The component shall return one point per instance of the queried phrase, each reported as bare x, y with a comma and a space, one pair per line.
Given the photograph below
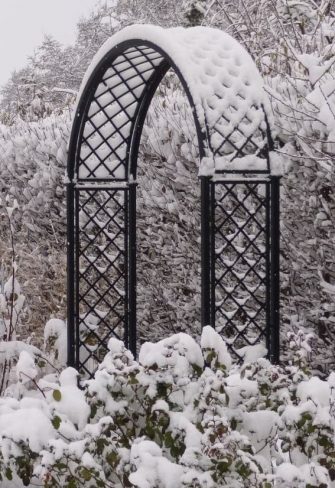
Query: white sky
23, 24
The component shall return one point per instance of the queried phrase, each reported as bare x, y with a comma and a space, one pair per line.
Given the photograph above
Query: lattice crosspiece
231, 115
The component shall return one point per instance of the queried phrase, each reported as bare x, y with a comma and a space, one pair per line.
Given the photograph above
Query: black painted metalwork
245, 267
239, 213
273, 324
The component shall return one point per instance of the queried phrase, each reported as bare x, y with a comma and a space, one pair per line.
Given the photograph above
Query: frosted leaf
25, 368
72, 402
11, 287
29, 425
251, 354
179, 350
212, 341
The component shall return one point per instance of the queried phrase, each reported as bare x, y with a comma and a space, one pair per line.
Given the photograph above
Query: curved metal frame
80, 189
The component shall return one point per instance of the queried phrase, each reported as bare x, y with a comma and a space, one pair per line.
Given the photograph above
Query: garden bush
183, 415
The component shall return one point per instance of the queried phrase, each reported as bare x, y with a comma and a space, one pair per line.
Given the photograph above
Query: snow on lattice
223, 81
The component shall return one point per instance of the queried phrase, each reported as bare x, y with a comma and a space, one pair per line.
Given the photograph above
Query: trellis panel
242, 261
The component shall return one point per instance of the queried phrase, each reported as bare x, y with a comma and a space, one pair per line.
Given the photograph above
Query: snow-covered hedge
182, 416
32, 166
32, 163
293, 44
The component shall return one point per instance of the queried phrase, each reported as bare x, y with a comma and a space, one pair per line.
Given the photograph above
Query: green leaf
223, 466
177, 450
132, 379
211, 354
164, 421
324, 441
264, 389
150, 430
9, 474
94, 410
197, 369
162, 389
304, 418
72, 483
57, 395
56, 421
86, 474
101, 444
243, 470
168, 439
113, 459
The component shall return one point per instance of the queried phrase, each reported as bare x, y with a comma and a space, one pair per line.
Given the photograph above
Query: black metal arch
157, 73
101, 200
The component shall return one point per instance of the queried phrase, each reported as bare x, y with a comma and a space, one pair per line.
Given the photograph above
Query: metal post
132, 333
205, 252
275, 270
126, 266
70, 275
268, 277
212, 254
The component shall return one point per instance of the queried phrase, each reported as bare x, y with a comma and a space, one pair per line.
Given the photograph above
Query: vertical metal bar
275, 278
70, 274
213, 255
205, 251
76, 278
126, 267
132, 333
268, 268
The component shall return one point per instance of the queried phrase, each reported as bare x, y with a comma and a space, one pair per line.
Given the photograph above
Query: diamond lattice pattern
107, 131
241, 264
236, 137
101, 273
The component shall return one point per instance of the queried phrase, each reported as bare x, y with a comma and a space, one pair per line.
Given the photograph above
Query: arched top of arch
231, 110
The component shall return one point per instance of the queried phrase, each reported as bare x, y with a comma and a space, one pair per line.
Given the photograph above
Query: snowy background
221, 425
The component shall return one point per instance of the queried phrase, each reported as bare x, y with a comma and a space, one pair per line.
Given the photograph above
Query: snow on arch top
224, 83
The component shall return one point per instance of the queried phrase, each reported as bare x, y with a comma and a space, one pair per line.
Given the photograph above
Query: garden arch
239, 193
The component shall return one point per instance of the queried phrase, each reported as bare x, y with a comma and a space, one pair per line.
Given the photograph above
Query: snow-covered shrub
32, 162
11, 301
21, 361
32, 165
182, 416
292, 43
